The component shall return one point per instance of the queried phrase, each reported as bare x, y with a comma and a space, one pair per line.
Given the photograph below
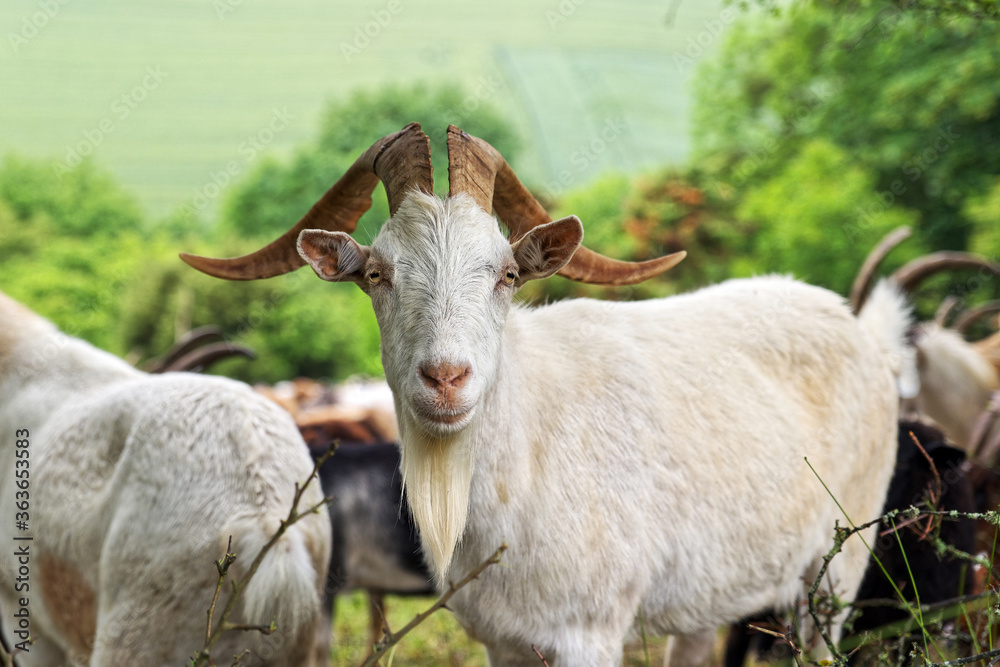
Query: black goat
375, 544
936, 579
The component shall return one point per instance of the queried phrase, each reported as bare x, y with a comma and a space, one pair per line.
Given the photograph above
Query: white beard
437, 478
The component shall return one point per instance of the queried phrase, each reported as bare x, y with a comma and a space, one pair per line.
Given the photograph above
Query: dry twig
393, 638
7, 659
204, 656
921, 615
540, 656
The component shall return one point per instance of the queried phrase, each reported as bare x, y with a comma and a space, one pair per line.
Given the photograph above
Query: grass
437, 642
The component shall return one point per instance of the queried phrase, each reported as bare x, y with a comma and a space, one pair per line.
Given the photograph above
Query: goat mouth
450, 420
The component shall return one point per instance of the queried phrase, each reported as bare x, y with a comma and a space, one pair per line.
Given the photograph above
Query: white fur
439, 472
990, 349
956, 381
882, 315
635, 457
137, 481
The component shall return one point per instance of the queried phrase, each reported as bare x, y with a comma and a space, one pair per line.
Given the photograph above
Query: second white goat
129, 485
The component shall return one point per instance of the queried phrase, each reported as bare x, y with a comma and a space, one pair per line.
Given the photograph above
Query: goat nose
445, 375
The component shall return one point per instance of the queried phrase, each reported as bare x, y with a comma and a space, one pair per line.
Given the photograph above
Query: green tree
908, 94
297, 324
650, 215
805, 222
277, 194
984, 211
85, 202
70, 246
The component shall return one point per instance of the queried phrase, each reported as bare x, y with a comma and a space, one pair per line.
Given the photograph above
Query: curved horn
402, 161
866, 274
945, 310
478, 170
918, 270
973, 315
189, 341
984, 450
205, 356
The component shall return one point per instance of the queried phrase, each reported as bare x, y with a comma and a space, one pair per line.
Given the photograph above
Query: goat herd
677, 464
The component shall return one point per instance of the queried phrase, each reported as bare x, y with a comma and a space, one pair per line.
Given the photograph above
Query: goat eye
509, 277
375, 277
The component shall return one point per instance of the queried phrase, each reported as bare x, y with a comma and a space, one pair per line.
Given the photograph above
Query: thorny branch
393, 638
7, 659
782, 636
842, 534
222, 565
966, 661
540, 656
239, 656
204, 656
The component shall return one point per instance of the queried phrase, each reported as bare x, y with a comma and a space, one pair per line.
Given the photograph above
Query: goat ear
547, 248
334, 256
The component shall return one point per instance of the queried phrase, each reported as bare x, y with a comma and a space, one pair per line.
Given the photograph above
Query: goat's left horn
402, 161
866, 274
916, 271
478, 170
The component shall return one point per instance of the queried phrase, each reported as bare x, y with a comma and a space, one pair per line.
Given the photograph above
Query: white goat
990, 348
956, 381
637, 458
135, 483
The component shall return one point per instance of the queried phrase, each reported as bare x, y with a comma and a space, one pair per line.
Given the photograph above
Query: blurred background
759, 137
765, 137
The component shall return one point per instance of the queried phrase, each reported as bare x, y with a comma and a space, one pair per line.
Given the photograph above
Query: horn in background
911, 274
866, 274
973, 315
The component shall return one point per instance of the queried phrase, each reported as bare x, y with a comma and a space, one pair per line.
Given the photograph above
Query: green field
167, 94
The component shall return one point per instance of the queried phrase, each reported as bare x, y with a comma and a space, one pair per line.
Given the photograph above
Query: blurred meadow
759, 137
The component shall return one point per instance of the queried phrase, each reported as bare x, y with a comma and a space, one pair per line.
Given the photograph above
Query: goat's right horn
402, 161
478, 170
973, 315
911, 274
866, 274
